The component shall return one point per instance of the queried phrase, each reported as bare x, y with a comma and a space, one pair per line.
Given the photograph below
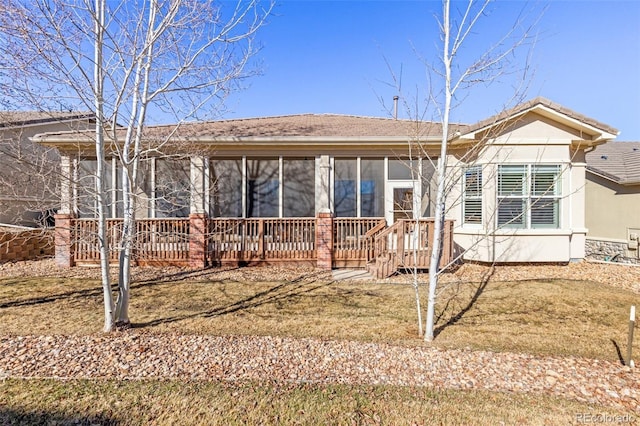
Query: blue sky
331, 57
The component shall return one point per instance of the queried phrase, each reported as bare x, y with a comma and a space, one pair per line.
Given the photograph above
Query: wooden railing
156, 240
353, 240
356, 242
253, 240
160, 240
86, 246
407, 244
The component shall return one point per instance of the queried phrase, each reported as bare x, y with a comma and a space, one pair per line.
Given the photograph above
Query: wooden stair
406, 244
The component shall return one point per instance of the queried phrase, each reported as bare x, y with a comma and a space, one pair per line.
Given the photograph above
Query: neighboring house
516, 182
613, 201
28, 172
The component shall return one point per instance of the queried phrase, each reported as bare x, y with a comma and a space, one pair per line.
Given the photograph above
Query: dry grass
35, 402
549, 317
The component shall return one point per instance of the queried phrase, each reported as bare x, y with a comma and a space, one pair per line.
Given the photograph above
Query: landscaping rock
277, 359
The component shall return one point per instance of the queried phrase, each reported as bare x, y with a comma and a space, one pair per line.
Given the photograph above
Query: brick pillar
63, 240
324, 240
197, 240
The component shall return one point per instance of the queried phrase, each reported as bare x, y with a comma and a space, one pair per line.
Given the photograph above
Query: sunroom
259, 198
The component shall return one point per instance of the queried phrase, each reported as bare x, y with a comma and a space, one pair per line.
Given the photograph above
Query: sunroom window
370, 192
345, 180
263, 186
172, 189
298, 184
226, 187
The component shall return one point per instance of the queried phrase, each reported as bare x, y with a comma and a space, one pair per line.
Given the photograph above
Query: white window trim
477, 197
528, 196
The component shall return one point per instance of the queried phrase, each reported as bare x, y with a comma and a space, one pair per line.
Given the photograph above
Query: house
613, 201
341, 190
28, 178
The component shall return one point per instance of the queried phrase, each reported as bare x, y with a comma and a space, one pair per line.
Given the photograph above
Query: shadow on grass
457, 316
95, 292
19, 417
90, 292
286, 291
619, 352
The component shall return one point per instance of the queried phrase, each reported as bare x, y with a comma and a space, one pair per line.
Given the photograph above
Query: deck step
381, 269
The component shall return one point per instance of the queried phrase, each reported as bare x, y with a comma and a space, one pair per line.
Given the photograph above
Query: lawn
33, 402
542, 317
539, 316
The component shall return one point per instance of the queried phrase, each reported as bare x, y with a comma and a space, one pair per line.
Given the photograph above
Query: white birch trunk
140, 103
436, 253
101, 166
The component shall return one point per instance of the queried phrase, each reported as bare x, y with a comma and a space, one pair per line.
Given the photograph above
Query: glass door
401, 201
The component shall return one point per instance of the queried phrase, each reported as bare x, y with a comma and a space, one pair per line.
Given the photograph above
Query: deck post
65, 216
261, 247
197, 240
324, 240
63, 240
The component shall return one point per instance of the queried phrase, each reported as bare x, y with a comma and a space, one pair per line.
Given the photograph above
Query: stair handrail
373, 231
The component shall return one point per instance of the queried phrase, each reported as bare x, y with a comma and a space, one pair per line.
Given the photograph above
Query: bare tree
450, 81
489, 65
127, 62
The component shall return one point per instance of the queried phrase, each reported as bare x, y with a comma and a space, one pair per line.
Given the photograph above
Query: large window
344, 193
85, 185
263, 186
87, 191
472, 196
298, 184
529, 196
370, 192
226, 188
172, 187
401, 169
372, 187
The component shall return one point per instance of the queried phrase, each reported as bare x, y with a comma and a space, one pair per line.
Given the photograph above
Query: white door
402, 199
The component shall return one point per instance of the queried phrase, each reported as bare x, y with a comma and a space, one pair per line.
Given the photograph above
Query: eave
612, 178
592, 135
71, 144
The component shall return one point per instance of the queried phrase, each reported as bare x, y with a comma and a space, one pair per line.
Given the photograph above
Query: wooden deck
356, 242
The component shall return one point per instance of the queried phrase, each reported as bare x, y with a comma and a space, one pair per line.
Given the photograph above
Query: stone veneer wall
26, 245
605, 250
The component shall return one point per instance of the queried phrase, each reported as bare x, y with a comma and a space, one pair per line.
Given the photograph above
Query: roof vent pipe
395, 107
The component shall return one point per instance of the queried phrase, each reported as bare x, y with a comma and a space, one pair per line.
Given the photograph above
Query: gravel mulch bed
131, 355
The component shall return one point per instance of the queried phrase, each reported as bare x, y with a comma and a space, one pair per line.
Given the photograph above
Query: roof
538, 104
616, 161
307, 125
22, 118
341, 130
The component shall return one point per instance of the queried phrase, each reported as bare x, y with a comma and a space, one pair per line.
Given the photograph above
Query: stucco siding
611, 209
515, 247
535, 127
532, 140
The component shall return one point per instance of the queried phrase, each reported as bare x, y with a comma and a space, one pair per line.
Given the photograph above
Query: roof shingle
22, 118
618, 161
520, 108
308, 125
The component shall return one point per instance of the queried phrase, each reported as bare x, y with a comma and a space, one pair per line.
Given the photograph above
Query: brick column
197, 240
324, 240
63, 240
